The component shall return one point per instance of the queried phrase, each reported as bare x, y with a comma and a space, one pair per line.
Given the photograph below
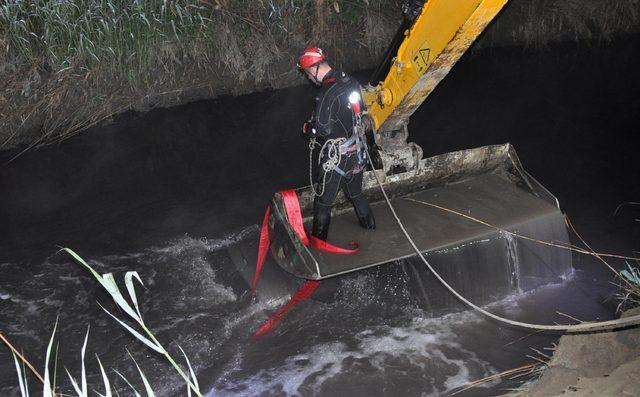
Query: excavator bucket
486, 184
481, 220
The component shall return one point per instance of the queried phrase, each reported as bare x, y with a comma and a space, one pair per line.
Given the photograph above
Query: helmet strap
315, 75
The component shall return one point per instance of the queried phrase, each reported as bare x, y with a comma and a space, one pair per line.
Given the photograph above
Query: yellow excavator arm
442, 32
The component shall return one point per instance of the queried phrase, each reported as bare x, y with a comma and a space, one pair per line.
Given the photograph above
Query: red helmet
310, 57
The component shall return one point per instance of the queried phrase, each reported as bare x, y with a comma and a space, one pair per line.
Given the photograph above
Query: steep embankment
601, 364
65, 66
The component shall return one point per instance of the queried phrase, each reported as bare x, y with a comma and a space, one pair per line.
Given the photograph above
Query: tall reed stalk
107, 281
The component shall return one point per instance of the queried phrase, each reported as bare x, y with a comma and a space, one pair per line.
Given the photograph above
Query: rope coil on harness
334, 157
583, 327
335, 149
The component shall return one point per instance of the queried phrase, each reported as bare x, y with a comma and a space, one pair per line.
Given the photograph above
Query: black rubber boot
364, 213
321, 221
368, 221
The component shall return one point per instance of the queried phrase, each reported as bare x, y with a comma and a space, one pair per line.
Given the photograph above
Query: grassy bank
66, 65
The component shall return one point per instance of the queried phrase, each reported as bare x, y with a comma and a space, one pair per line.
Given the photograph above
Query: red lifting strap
292, 207
322, 245
263, 249
306, 291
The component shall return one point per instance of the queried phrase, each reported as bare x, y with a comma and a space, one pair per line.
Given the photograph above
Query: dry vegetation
66, 65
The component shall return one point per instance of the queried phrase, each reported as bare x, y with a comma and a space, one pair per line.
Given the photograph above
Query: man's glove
308, 130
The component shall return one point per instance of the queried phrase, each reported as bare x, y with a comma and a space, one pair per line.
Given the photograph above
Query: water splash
423, 352
460, 247
187, 243
513, 260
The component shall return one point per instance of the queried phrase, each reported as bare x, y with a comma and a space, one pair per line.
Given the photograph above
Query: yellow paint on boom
443, 31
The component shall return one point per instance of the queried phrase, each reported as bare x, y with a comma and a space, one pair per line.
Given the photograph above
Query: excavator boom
442, 32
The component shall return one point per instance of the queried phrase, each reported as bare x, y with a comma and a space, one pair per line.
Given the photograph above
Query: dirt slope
601, 364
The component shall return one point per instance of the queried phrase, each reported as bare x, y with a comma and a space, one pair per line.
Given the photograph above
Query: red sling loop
292, 207
306, 291
263, 249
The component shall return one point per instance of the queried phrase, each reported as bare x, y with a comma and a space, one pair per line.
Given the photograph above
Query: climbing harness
333, 150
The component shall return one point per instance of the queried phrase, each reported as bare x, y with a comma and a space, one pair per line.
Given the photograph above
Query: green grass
129, 36
135, 37
67, 65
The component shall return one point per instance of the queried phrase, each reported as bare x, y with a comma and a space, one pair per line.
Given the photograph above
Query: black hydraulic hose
385, 65
410, 11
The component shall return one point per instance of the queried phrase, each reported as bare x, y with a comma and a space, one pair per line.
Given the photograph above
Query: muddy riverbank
601, 364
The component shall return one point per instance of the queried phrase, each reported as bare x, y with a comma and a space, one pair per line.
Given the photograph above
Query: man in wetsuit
338, 126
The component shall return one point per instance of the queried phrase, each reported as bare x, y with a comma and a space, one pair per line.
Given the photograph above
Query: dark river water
173, 193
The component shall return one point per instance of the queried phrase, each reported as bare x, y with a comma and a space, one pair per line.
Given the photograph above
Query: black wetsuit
335, 118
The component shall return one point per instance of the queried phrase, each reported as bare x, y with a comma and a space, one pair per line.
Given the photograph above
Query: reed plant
132, 309
128, 36
147, 337
66, 65
81, 387
629, 295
